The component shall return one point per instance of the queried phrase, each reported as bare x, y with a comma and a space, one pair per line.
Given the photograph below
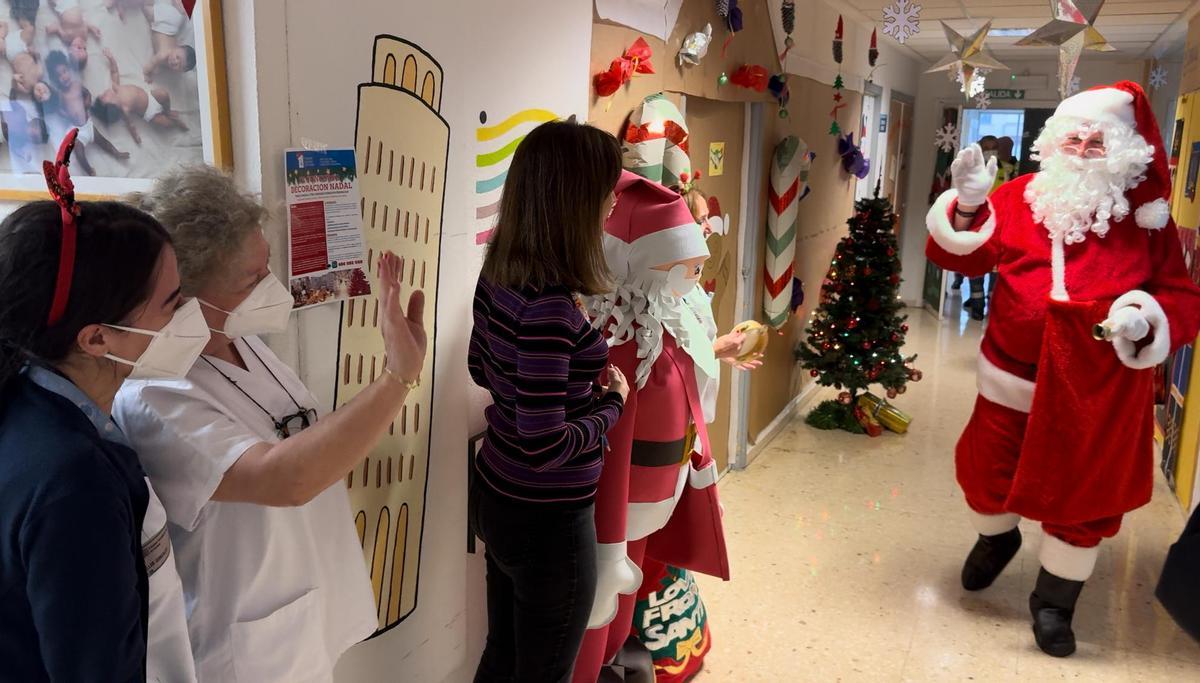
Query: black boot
1052, 605
988, 558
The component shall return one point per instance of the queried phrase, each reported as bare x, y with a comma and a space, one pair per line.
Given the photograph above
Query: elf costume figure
657, 496
1092, 295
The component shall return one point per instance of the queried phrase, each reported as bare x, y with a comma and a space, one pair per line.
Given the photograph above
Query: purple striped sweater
540, 359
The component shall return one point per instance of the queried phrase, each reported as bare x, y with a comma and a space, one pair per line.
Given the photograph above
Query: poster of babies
122, 71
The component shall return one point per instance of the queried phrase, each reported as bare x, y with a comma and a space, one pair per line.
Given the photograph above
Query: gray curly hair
207, 216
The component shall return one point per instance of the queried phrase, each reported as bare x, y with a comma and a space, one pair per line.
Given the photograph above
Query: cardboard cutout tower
402, 145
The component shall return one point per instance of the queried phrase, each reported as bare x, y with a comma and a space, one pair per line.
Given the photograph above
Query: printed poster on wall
326, 253
716, 159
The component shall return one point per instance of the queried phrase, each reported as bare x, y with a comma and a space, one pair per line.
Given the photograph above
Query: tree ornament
723, 79
916, 375
891, 393
901, 389
904, 328
814, 373
844, 398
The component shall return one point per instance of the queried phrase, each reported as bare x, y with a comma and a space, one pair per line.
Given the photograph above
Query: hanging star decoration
967, 55
1071, 31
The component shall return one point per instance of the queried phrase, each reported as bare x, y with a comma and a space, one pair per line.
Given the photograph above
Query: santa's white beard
1072, 196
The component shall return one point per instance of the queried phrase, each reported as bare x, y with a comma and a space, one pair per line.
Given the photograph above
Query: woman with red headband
91, 298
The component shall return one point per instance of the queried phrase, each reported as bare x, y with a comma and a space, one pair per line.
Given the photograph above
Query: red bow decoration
751, 76
673, 132
62, 190
635, 60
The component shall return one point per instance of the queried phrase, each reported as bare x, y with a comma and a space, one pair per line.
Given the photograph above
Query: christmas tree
857, 332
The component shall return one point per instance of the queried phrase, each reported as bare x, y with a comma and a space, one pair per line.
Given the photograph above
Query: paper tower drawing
402, 147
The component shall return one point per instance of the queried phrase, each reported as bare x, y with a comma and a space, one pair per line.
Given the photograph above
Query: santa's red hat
1126, 104
649, 226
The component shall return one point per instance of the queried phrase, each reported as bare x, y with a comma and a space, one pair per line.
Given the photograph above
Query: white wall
935, 92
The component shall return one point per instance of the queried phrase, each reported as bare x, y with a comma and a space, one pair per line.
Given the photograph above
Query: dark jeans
541, 581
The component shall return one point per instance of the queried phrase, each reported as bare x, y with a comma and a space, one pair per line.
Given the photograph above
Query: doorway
898, 126
712, 126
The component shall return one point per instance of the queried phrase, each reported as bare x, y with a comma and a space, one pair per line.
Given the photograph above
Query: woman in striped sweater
554, 394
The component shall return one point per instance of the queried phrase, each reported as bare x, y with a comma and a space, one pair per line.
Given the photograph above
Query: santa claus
1092, 295
656, 497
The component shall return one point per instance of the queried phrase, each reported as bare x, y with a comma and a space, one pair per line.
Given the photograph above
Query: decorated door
716, 149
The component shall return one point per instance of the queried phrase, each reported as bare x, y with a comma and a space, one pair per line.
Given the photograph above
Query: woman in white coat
249, 471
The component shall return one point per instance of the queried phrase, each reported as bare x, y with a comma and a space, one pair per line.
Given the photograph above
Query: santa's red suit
652, 499
1063, 425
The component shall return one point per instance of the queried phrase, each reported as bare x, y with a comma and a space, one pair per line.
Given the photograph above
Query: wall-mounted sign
1005, 94
716, 159
883, 123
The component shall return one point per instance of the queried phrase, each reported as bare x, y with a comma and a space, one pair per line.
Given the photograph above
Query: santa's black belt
657, 453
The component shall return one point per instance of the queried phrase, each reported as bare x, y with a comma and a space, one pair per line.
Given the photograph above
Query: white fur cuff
957, 242
1158, 350
1004, 388
617, 575
1153, 215
993, 525
1067, 561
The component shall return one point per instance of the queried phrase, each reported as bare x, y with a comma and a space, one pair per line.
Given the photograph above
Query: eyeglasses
1087, 148
295, 423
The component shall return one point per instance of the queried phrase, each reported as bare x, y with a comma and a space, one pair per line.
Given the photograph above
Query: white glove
972, 176
1128, 322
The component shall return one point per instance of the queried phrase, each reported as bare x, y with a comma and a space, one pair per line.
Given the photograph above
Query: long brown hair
549, 231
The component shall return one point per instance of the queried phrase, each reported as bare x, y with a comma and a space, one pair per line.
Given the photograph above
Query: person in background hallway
86, 569
976, 305
555, 396
251, 473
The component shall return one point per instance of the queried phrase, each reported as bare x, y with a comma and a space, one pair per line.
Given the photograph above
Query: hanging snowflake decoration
976, 86
902, 20
946, 138
983, 100
1074, 86
1158, 76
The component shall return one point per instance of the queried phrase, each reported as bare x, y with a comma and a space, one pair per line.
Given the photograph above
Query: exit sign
1005, 94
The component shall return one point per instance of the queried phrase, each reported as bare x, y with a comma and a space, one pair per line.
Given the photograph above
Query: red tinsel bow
62, 190
673, 132
751, 76
635, 60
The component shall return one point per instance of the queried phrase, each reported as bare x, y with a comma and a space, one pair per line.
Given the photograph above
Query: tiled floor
846, 553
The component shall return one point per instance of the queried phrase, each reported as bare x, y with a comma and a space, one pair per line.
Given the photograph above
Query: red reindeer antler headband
62, 190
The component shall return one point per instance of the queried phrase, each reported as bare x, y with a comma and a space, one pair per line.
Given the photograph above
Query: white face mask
174, 348
265, 311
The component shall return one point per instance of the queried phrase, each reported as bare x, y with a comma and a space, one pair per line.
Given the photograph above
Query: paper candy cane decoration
789, 184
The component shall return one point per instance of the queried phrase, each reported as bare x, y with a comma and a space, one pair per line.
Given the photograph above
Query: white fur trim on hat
1067, 561
1158, 350
1103, 105
993, 525
957, 242
1153, 215
1003, 388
